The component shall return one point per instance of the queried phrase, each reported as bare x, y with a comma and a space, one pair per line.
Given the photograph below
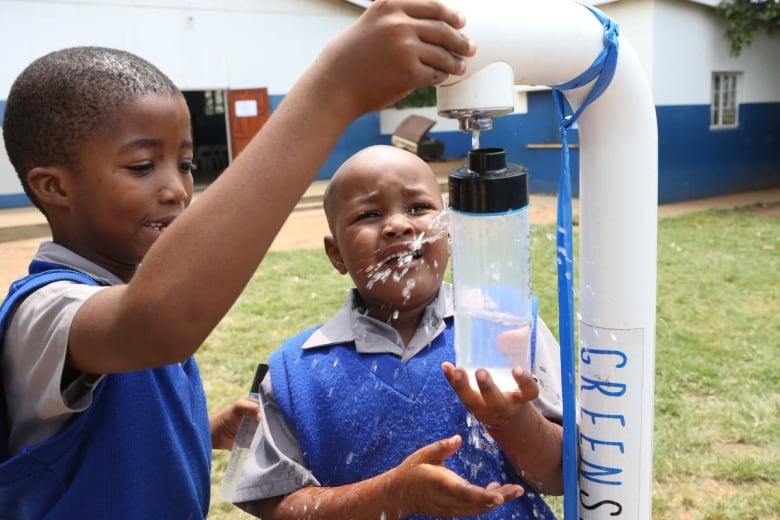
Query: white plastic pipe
549, 42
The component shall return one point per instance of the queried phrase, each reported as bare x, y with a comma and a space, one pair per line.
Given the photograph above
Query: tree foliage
419, 97
743, 18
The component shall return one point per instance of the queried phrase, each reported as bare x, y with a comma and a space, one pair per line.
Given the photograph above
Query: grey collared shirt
275, 465
35, 348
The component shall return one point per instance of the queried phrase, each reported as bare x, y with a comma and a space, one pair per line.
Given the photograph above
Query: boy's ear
332, 250
48, 185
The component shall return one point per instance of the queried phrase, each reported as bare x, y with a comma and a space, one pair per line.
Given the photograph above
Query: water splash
407, 291
440, 225
475, 139
397, 268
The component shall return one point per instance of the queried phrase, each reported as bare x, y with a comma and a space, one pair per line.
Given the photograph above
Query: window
215, 102
724, 112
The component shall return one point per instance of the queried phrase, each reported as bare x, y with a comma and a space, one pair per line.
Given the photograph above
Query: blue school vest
141, 450
358, 415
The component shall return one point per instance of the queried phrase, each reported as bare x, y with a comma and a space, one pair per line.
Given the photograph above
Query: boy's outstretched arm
532, 443
197, 269
419, 485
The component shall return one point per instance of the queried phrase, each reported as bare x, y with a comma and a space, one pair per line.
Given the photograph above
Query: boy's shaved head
66, 96
370, 158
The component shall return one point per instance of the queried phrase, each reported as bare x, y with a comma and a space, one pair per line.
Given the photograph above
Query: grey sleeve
548, 373
274, 466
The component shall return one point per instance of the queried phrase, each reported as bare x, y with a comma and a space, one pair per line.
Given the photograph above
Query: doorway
223, 122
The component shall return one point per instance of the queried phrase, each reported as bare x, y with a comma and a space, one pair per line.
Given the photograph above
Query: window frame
725, 99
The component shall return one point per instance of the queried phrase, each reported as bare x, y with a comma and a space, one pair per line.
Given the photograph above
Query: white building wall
205, 43
637, 26
200, 44
689, 46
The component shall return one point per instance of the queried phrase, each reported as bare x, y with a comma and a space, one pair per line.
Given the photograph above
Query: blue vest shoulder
142, 449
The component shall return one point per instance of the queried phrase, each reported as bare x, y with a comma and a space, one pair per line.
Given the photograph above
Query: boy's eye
188, 167
144, 167
367, 214
419, 208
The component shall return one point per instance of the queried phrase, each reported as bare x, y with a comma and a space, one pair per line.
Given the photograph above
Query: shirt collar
371, 336
56, 254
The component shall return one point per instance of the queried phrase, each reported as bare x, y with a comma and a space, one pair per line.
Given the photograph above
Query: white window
724, 112
215, 102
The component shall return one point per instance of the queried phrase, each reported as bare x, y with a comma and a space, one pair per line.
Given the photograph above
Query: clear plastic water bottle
489, 234
244, 435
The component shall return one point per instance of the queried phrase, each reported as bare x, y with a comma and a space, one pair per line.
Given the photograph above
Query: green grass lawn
717, 395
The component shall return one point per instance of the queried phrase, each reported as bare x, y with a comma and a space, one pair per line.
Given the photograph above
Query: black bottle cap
488, 184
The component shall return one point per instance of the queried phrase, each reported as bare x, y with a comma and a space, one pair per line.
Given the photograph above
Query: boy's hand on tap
394, 47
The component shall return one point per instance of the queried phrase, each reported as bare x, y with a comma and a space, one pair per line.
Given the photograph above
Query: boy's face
135, 178
386, 233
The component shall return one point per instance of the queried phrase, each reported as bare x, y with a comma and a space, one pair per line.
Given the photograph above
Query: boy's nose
175, 187
398, 225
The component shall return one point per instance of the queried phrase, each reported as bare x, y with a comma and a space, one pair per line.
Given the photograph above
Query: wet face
384, 211
134, 180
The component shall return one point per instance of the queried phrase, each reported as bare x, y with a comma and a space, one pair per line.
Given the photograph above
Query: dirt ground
305, 228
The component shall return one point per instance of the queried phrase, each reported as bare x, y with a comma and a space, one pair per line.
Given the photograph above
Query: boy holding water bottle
366, 416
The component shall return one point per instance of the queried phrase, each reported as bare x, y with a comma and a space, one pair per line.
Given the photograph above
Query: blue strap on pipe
601, 70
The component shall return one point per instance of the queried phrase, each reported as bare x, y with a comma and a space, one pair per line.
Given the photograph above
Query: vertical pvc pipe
548, 42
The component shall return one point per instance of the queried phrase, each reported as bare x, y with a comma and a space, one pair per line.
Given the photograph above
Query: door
248, 110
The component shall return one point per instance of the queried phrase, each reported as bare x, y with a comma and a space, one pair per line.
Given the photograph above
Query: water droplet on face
407, 291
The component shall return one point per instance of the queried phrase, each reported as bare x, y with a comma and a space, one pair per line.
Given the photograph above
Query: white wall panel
198, 44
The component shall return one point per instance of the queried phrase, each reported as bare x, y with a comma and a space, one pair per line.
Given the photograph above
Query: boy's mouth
403, 257
157, 226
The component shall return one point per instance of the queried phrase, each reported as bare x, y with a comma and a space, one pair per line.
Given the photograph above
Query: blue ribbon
602, 71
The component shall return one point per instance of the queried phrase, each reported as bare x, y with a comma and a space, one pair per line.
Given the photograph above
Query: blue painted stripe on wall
363, 132
515, 132
696, 162
14, 200
2, 111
